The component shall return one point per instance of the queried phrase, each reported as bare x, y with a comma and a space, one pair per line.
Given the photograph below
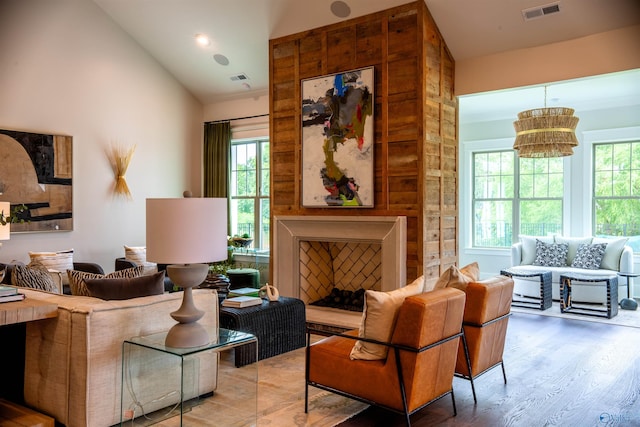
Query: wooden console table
12, 414
27, 310
13, 318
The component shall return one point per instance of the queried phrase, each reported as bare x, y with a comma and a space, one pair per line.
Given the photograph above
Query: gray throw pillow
551, 254
126, 287
589, 256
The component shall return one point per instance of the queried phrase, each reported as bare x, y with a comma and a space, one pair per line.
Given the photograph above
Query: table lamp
187, 233
5, 230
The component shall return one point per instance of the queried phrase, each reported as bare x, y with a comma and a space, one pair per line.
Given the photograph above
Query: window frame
258, 198
594, 179
515, 200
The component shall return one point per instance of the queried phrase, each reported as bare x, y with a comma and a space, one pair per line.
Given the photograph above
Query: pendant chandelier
545, 132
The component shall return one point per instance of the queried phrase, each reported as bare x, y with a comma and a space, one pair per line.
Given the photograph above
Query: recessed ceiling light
202, 40
221, 59
340, 9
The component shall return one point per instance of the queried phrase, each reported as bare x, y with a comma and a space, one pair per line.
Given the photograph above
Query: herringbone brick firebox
343, 265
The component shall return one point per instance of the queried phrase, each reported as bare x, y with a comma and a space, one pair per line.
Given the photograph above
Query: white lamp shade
186, 230
5, 230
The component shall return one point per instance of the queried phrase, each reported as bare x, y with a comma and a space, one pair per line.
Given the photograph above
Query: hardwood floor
560, 372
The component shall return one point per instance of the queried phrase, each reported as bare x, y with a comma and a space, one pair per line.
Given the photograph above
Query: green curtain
217, 143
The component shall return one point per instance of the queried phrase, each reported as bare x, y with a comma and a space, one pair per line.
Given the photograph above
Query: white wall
66, 68
253, 104
249, 114
601, 53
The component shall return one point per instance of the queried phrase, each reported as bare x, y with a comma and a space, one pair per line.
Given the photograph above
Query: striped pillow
34, 276
138, 255
55, 261
79, 287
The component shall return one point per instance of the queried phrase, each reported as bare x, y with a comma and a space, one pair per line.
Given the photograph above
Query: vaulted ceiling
240, 30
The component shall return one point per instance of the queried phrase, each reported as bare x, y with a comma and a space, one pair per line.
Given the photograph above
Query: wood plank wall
415, 113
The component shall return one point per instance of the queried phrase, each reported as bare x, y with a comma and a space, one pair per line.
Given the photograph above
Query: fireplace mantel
389, 231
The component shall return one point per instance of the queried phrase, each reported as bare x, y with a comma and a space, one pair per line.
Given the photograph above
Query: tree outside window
616, 191
513, 196
249, 190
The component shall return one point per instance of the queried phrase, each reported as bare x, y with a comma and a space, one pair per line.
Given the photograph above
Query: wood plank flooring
560, 372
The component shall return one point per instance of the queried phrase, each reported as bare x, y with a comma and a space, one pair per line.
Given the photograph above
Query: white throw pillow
529, 247
379, 319
138, 255
613, 252
60, 261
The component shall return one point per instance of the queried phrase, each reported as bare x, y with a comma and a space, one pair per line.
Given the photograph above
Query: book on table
8, 290
9, 298
244, 292
241, 302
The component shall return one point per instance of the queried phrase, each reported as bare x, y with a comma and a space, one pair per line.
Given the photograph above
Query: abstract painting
37, 172
337, 139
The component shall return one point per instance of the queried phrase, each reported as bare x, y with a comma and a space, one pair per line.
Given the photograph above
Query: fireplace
374, 247
336, 274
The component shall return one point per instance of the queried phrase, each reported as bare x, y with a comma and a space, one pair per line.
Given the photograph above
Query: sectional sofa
73, 363
617, 257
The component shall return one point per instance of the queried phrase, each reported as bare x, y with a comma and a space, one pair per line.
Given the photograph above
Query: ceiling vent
540, 11
239, 77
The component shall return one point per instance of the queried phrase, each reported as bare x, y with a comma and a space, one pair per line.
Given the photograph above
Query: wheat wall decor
120, 159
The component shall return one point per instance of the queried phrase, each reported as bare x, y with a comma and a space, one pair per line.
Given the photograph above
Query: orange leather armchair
418, 369
486, 316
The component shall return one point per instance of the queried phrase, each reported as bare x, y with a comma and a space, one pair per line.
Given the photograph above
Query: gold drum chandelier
545, 132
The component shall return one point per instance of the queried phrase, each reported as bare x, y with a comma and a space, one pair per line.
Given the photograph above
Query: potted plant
242, 241
14, 216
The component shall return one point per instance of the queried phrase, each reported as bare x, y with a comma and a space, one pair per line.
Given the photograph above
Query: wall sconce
120, 158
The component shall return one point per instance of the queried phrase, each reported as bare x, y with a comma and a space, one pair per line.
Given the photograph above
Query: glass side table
159, 382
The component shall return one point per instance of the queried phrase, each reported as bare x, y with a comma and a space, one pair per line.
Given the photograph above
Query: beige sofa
73, 362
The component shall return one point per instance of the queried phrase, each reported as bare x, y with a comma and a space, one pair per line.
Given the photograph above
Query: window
513, 196
616, 191
249, 189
